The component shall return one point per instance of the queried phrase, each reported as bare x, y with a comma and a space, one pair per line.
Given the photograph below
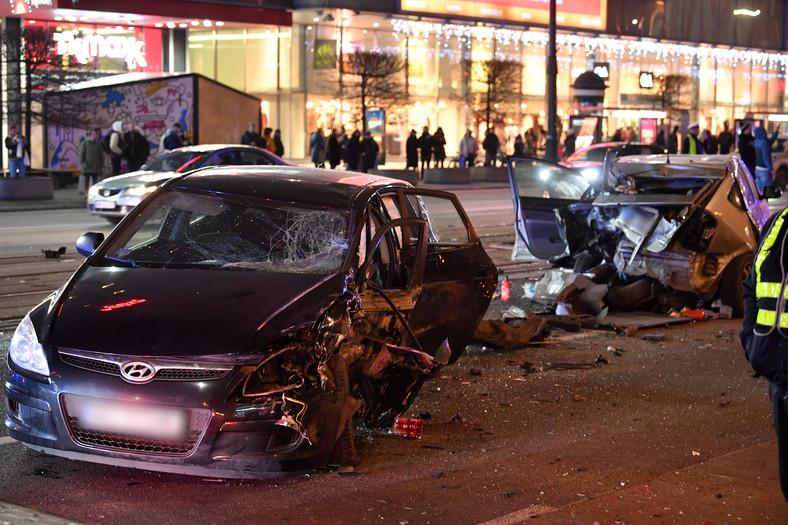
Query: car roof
204, 148
678, 165
305, 185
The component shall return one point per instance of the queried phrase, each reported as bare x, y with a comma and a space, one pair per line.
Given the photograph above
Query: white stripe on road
6, 440
520, 516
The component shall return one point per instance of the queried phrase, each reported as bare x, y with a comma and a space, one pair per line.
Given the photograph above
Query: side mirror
772, 192
88, 243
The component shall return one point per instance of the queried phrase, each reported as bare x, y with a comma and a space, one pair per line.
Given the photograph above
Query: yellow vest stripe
770, 290
767, 317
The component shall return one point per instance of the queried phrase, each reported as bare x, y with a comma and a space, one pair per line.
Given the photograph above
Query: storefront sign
128, 49
646, 80
569, 13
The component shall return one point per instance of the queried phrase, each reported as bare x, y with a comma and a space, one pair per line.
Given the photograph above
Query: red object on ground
407, 427
506, 289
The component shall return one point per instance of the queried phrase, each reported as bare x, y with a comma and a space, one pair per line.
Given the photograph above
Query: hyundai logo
137, 372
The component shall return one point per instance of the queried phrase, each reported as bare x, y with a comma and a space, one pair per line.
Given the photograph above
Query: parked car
689, 223
114, 197
235, 323
588, 161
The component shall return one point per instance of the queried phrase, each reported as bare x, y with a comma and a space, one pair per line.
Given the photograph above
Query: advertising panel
590, 14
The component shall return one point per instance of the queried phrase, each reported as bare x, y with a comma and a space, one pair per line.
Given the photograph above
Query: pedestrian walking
137, 147
747, 148
763, 157
174, 138
251, 137
673, 140
17, 150
91, 158
353, 151
725, 139
317, 143
268, 140
369, 152
117, 147
490, 145
425, 145
764, 333
569, 142
279, 147
519, 146
439, 147
412, 151
469, 149
333, 150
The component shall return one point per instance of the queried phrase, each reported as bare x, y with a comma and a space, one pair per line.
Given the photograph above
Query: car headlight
26, 351
93, 191
140, 191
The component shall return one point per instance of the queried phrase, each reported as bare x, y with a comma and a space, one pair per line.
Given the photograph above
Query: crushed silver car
672, 228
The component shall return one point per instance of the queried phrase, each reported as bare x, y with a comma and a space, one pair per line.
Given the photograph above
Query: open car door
538, 189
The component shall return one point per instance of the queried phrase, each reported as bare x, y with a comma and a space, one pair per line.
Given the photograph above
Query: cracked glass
180, 229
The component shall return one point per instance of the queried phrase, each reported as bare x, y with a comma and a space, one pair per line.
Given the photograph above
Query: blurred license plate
132, 419
104, 205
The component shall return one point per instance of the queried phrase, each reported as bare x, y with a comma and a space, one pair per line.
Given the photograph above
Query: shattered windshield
196, 230
535, 178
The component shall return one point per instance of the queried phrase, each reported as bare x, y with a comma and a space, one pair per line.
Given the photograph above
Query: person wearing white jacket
469, 148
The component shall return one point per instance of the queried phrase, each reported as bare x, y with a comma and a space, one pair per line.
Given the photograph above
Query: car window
185, 230
222, 158
250, 157
446, 226
174, 160
550, 181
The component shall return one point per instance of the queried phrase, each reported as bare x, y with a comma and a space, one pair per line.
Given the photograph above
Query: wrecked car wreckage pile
658, 233
239, 318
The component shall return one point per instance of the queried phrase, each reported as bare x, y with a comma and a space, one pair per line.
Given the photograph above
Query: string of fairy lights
508, 40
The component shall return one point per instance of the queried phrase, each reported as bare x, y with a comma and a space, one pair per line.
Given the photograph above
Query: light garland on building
620, 48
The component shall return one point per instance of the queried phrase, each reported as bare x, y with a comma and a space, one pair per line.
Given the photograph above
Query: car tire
781, 177
731, 283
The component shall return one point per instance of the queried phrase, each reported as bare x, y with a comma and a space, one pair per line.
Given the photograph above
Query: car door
459, 277
539, 188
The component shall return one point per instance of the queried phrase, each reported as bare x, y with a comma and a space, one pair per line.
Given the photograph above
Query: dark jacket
425, 144
353, 151
439, 146
252, 138
412, 151
747, 151
765, 352
137, 149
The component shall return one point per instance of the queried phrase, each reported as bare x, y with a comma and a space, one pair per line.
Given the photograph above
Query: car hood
138, 178
155, 312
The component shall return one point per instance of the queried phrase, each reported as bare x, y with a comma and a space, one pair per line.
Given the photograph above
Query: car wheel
731, 283
781, 177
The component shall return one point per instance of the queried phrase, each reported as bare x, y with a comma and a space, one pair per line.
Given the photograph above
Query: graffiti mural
154, 105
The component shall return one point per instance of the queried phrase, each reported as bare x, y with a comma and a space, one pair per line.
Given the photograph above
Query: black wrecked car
669, 228
240, 318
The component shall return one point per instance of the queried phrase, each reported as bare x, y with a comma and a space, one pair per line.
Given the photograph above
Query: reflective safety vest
770, 282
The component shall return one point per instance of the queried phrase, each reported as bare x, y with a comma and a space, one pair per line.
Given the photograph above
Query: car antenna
322, 164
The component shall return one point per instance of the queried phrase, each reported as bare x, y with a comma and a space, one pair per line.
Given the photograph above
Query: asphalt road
672, 430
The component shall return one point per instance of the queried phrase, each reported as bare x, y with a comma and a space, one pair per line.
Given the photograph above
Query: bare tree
501, 93
31, 54
671, 90
376, 79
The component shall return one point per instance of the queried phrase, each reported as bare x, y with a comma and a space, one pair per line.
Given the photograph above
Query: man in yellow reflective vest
691, 144
764, 334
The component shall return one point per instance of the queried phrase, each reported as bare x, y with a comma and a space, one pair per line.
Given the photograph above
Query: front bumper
223, 439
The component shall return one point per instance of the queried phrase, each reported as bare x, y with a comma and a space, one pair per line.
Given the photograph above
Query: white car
114, 197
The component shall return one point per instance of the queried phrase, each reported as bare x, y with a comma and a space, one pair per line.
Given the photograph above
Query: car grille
165, 370
129, 442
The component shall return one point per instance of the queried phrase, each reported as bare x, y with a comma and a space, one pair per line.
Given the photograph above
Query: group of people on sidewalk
359, 152
272, 143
